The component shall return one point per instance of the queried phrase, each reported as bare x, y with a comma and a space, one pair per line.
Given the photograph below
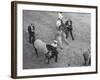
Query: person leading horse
61, 30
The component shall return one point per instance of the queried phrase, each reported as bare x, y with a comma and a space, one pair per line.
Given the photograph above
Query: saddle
51, 48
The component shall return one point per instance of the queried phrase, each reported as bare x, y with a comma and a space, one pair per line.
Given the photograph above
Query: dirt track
44, 22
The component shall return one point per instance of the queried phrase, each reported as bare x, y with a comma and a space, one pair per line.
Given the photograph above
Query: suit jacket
29, 29
69, 25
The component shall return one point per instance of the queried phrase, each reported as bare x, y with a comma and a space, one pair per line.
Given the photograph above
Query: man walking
61, 35
68, 23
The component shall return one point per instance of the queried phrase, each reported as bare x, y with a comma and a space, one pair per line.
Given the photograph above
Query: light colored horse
49, 51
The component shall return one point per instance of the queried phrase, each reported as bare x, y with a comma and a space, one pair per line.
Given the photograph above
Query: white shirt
60, 15
32, 28
58, 23
54, 45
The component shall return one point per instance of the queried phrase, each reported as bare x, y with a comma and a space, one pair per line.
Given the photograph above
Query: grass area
45, 24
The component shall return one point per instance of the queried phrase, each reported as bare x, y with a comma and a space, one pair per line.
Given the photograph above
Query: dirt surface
45, 24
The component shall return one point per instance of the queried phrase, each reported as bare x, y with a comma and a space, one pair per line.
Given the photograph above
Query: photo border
14, 37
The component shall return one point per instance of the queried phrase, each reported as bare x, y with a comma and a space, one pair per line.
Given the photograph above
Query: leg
64, 38
56, 57
48, 61
71, 34
67, 33
36, 52
88, 61
47, 58
29, 38
33, 37
60, 42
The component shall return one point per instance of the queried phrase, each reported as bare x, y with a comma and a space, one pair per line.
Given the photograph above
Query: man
52, 50
61, 33
68, 23
59, 23
31, 31
60, 15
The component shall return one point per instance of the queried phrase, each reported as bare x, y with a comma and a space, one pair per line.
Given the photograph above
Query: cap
55, 41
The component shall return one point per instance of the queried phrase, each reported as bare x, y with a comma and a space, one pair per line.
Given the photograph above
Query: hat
55, 41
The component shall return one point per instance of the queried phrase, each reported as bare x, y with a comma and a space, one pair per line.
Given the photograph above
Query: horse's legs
47, 58
56, 57
36, 52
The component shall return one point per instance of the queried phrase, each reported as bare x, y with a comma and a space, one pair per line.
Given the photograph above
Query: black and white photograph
54, 39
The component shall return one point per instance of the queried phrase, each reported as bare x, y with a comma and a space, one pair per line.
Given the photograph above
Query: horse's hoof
68, 64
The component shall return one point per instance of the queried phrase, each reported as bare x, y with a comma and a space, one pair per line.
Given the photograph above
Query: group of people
49, 50
63, 30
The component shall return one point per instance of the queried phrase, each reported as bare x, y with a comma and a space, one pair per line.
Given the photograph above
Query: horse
49, 50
